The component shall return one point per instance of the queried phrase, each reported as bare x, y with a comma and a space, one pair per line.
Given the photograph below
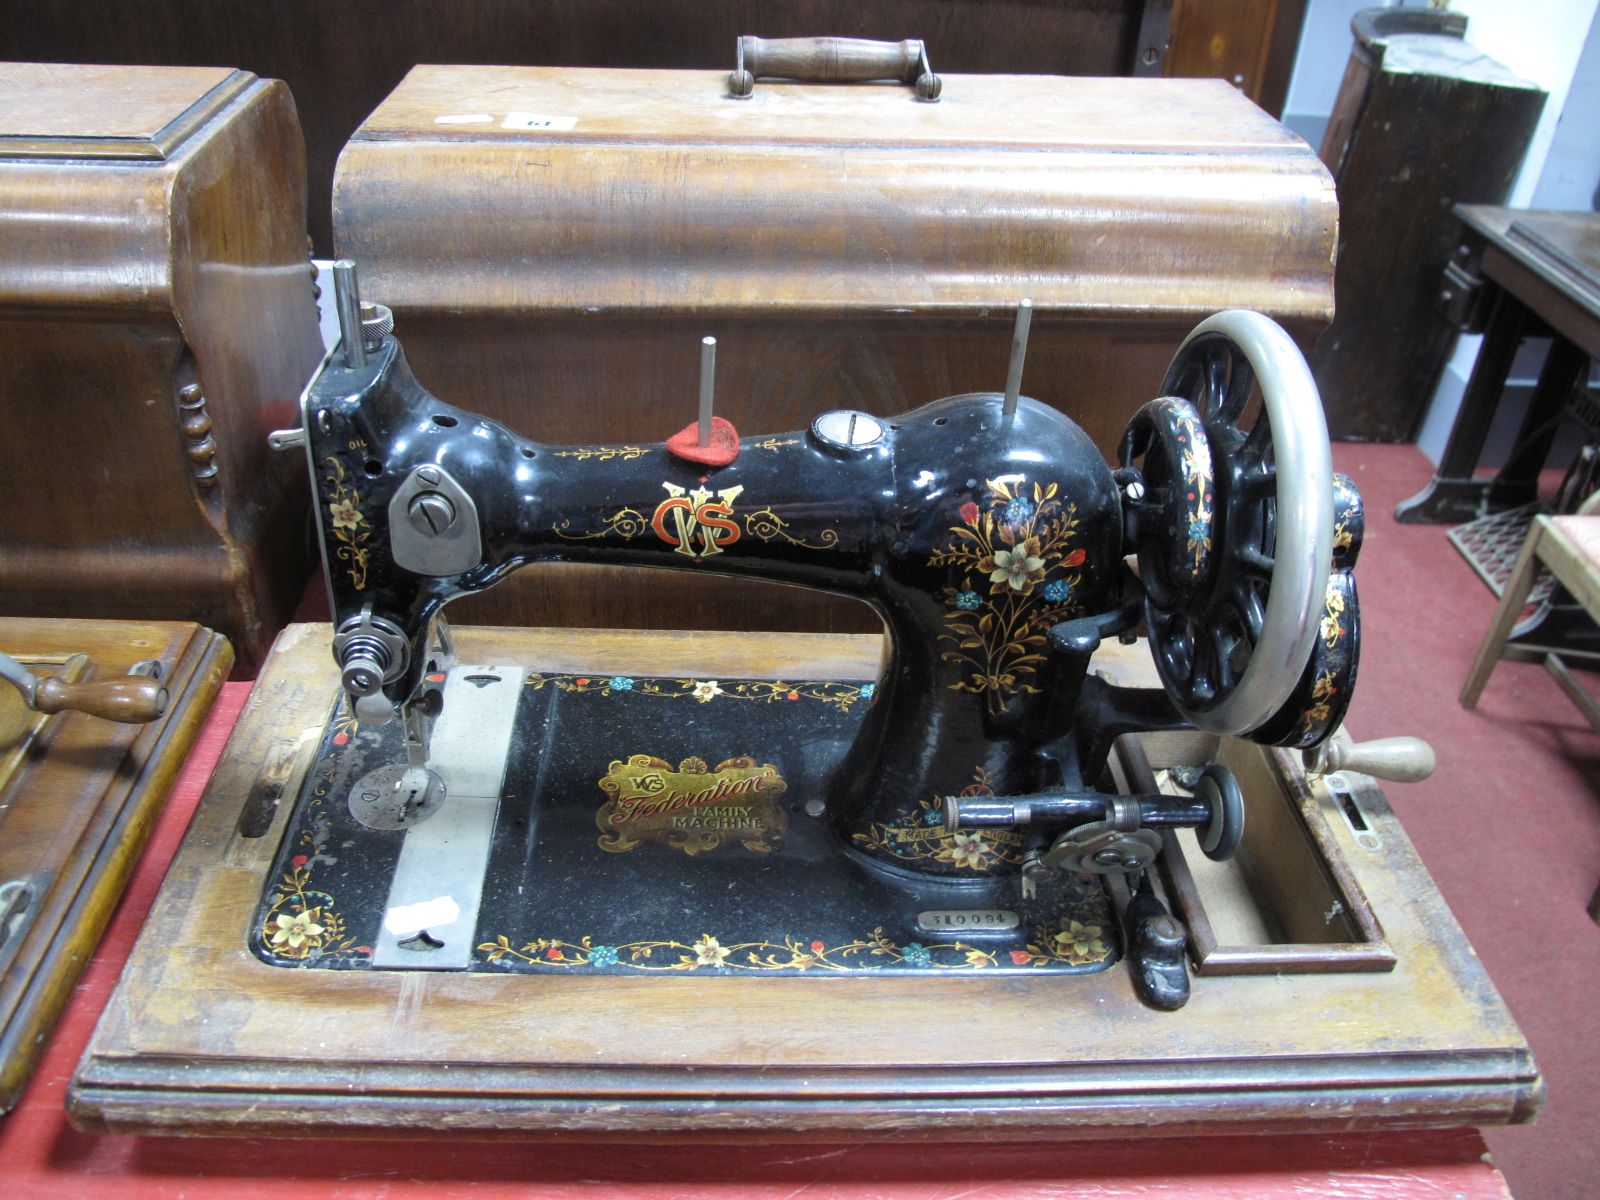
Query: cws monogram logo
695, 525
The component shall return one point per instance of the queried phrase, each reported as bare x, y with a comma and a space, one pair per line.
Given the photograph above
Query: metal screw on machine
431, 513
377, 323
433, 524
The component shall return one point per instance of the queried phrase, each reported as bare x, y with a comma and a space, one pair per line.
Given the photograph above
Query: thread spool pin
708, 379
1019, 354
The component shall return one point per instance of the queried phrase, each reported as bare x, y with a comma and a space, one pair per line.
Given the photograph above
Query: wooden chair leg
1512, 602
1573, 689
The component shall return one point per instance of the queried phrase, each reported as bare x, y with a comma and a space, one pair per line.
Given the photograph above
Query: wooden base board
201, 1037
75, 815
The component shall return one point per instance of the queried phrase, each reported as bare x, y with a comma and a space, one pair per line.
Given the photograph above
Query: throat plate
432, 908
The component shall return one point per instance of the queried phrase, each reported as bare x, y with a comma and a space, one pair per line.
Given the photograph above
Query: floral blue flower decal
1057, 590
620, 683
916, 954
1017, 510
968, 600
604, 956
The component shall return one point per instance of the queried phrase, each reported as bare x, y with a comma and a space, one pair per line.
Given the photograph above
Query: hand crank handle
131, 700
1401, 759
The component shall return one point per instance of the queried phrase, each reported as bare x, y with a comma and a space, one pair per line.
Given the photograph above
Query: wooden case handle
131, 700
832, 60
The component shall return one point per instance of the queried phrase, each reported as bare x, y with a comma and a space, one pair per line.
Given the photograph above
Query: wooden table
1516, 274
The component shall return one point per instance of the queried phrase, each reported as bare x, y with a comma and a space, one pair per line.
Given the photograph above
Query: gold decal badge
693, 523
690, 807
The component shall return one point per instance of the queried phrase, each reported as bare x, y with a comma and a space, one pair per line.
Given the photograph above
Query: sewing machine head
986, 530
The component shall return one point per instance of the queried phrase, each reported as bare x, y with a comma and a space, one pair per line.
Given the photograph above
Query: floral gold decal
1195, 459
691, 808
1064, 942
302, 923
351, 531
601, 453
764, 691
918, 834
1017, 574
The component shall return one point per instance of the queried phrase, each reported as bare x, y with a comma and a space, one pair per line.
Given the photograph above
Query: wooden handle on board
832, 60
131, 700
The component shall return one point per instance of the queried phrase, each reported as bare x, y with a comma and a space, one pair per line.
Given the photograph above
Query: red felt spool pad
724, 447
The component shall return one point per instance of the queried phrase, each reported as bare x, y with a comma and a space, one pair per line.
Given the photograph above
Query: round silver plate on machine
847, 429
386, 799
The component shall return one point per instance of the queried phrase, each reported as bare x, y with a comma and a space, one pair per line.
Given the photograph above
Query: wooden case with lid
158, 317
554, 244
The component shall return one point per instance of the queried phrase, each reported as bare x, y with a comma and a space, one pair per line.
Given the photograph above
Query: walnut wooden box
201, 1036
158, 318
78, 798
554, 244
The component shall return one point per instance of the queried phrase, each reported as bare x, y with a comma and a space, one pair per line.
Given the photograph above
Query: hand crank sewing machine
952, 814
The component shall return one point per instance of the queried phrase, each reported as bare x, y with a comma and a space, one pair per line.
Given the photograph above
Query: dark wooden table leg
1518, 481
1454, 494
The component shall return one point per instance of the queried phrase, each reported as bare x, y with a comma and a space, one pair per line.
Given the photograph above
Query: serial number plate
967, 920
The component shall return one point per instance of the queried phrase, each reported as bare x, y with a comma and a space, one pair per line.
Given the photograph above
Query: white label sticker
463, 119
527, 120
406, 919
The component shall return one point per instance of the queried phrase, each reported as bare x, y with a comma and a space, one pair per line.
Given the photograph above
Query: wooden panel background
341, 60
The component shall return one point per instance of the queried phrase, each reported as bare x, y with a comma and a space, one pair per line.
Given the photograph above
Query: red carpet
1509, 826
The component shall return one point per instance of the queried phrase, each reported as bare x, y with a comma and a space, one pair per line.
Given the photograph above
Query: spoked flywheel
1232, 517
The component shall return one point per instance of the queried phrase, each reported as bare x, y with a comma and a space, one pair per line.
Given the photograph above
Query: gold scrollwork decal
624, 524
767, 526
601, 453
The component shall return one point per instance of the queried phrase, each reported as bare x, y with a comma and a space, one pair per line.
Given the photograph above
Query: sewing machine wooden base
78, 798
1377, 1014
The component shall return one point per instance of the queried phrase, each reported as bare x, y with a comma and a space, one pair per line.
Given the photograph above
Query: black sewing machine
953, 814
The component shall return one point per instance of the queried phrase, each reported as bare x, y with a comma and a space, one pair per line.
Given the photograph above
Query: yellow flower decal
351, 531
296, 931
1018, 568
708, 952
970, 851
1078, 942
344, 514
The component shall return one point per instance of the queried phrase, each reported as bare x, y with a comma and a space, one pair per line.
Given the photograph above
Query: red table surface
42, 1155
